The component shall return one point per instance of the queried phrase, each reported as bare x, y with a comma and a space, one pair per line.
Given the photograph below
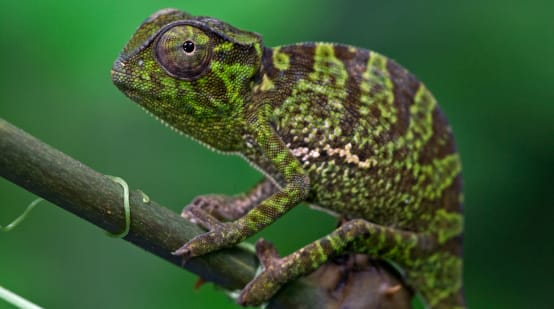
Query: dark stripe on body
267, 63
355, 63
301, 59
405, 88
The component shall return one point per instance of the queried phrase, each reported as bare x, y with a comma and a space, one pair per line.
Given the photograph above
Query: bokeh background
488, 62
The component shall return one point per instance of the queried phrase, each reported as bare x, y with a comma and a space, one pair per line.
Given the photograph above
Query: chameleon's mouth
117, 78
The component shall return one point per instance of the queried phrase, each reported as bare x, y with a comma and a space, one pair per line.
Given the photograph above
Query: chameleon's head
194, 73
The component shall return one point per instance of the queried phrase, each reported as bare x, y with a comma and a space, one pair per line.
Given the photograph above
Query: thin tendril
15, 299
21, 217
126, 206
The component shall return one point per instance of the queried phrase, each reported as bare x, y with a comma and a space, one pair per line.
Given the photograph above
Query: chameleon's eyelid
195, 23
202, 25
156, 34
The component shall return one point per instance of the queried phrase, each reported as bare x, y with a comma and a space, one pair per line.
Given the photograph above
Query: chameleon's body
338, 127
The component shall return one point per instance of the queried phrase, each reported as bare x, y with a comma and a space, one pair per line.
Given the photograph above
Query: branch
68, 183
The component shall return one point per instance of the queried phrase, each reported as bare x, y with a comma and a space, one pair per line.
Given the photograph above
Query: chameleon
340, 128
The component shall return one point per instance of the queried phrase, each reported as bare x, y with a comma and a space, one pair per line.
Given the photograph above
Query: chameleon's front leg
295, 189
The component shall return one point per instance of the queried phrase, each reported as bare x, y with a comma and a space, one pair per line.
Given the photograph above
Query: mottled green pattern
341, 128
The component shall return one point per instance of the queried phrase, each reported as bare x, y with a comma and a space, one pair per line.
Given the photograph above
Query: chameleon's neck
218, 133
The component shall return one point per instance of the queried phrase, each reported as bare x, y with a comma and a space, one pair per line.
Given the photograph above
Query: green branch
68, 183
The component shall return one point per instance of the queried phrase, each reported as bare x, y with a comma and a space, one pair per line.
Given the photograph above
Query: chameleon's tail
438, 278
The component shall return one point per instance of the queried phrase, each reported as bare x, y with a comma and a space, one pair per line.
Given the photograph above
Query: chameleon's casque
338, 127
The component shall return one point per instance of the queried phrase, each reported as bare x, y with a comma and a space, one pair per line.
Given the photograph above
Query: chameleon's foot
219, 235
211, 213
217, 206
198, 212
277, 271
269, 281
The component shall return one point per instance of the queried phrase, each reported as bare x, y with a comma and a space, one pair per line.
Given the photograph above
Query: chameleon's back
375, 144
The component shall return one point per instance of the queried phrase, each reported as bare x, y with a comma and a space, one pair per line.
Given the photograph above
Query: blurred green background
488, 62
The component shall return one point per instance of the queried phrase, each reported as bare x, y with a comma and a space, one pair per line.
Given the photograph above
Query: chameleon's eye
183, 51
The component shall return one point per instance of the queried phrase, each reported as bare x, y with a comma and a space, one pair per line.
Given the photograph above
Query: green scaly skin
338, 127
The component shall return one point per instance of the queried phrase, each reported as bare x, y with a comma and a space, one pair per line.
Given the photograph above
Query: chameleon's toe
267, 254
198, 212
184, 252
266, 283
198, 245
204, 219
201, 243
221, 236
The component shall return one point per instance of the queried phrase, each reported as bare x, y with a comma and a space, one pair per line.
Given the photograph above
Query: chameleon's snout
118, 74
118, 67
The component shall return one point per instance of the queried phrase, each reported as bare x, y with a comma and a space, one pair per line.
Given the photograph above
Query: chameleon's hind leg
353, 236
404, 248
207, 208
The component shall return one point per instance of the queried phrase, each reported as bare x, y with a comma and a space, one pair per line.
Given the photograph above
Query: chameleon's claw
391, 290
223, 235
182, 251
187, 251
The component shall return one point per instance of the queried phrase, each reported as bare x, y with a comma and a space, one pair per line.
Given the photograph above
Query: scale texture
341, 128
